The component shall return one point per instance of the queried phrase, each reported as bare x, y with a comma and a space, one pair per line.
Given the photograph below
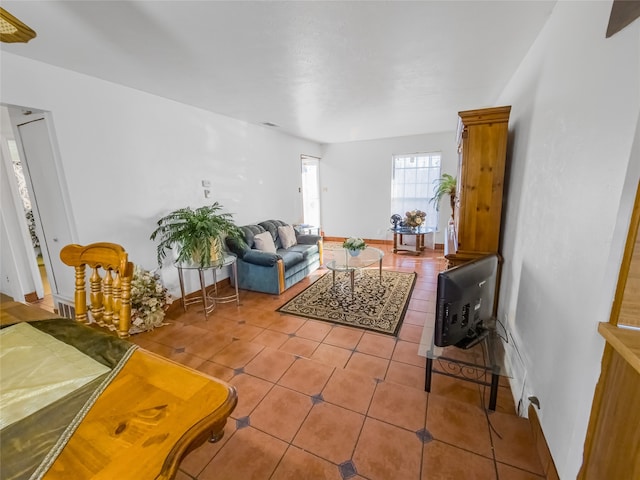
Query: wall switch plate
207, 193
206, 183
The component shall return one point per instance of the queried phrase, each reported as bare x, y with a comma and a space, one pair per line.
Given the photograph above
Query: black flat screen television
465, 299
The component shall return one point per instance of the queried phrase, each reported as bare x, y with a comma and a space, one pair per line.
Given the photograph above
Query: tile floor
319, 401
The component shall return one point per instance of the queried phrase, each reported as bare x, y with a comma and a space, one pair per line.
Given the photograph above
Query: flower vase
354, 253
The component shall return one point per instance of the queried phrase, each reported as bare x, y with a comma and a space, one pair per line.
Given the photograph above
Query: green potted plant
196, 233
354, 245
445, 185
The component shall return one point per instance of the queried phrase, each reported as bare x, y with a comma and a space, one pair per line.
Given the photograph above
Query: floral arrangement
414, 218
149, 300
354, 244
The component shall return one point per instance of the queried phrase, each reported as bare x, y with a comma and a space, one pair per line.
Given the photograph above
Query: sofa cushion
272, 226
290, 258
249, 231
304, 250
287, 236
264, 242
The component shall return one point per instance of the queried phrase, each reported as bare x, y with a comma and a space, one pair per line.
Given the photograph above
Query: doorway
310, 167
28, 139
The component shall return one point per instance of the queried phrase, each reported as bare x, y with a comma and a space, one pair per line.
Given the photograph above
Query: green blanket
29, 446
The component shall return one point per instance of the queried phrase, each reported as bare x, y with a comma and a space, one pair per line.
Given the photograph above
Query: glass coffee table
339, 259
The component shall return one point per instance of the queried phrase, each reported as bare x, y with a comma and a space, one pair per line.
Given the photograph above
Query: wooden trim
544, 453
626, 259
625, 341
280, 265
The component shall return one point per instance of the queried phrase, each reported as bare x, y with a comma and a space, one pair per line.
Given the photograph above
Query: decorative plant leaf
194, 232
445, 185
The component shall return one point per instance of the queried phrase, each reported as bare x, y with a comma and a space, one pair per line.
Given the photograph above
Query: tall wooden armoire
482, 149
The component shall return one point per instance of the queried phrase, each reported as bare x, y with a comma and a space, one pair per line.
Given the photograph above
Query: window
412, 184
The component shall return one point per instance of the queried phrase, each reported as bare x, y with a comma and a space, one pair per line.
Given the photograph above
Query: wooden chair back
109, 284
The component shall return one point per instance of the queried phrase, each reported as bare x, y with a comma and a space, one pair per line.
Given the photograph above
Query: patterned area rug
375, 305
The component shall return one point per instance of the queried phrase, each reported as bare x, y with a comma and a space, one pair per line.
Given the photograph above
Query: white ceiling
326, 71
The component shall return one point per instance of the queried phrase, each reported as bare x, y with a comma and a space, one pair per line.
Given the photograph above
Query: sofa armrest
308, 239
258, 257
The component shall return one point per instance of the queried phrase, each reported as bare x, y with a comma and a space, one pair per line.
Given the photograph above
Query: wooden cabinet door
481, 178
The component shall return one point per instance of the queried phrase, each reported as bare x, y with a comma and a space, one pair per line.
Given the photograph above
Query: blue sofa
273, 273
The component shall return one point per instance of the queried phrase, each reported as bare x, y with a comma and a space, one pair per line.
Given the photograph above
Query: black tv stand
438, 362
471, 341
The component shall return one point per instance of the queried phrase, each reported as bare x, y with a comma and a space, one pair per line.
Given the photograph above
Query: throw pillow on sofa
287, 236
264, 242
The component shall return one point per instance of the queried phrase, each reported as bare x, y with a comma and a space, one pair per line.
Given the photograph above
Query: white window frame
412, 183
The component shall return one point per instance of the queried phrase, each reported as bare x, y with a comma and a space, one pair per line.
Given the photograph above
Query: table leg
493, 397
184, 300
380, 270
204, 292
351, 273
234, 268
334, 277
427, 377
395, 242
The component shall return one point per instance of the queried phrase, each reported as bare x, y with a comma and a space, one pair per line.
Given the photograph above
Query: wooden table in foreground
151, 415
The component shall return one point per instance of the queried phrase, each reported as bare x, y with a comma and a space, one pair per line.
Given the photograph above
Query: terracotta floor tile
217, 371
457, 389
298, 465
387, 452
237, 354
251, 390
260, 317
365, 364
287, 324
504, 402
281, 412
270, 338
514, 443
445, 462
459, 423
300, 346
330, 432
344, 337
198, 459
407, 352
331, 355
270, 364
413, 317
245, 331
349, 390
406, 374
507, 472
178, 338
398, 405
410, 333
208, 345
375, 344
306, 376
421, 305
248, 455
314, 330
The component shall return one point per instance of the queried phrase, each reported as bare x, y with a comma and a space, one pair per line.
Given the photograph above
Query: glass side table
482, 364
417, 232
209, 295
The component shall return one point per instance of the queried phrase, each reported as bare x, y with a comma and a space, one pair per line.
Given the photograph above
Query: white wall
129, 157
576, 103
356, 182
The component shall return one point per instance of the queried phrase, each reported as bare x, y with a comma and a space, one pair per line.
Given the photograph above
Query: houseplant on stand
196, 233
445, 185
